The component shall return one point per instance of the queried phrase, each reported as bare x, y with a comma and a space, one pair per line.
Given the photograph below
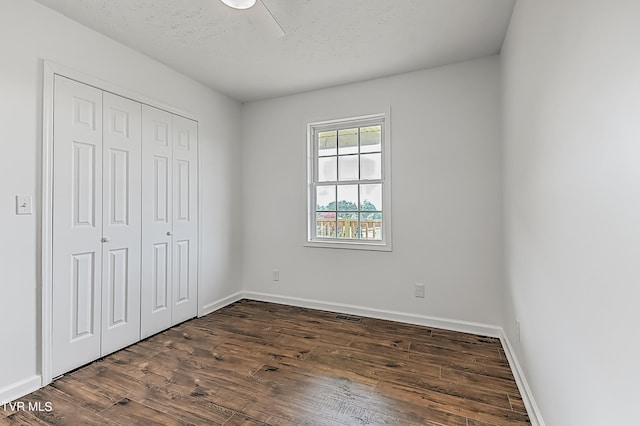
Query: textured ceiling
327, 42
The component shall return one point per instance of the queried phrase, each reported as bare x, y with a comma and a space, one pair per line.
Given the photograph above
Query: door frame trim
50, 70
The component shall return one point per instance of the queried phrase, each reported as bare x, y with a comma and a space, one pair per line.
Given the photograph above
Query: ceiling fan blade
279, 27
258, 14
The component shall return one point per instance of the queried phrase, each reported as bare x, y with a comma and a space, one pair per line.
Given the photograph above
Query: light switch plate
23, 204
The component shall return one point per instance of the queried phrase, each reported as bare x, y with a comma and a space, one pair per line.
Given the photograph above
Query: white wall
571, 73
447, 220
30, 33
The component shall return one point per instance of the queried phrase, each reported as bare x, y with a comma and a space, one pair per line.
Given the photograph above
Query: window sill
350, 245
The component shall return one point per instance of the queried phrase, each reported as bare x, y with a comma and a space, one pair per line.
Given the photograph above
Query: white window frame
312, 160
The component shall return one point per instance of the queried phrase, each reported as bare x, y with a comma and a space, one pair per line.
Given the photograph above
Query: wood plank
87, 394
65, 410
127, 412
458, 406
451, 359
471, 422
479, 380
162, 389
464, 348
242, 420
20, 418
517, 404
317, 400
370, 366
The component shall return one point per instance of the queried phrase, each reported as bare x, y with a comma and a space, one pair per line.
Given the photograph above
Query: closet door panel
77, 225
122, 222
157, 219
185, 222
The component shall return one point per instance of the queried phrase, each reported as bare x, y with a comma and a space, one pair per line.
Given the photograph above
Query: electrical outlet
518, 330
419, 290
276, 275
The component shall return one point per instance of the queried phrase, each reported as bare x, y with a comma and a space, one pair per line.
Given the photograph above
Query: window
349, 186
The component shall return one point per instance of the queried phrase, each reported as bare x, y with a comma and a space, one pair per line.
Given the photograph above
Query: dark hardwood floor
255, 363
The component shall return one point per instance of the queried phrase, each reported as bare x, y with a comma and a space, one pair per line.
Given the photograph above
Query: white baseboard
445, 323
525, 391
18, 390
218, 304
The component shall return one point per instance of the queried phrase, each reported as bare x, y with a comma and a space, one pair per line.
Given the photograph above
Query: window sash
314, 130
358, 212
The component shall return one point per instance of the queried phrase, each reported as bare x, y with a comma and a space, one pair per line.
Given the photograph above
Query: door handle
169, 233
105, 239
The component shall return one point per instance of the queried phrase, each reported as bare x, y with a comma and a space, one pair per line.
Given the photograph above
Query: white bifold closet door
77, 225
169, 220
121, 222
96, 224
